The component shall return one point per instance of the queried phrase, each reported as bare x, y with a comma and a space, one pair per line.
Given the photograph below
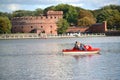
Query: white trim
80, 53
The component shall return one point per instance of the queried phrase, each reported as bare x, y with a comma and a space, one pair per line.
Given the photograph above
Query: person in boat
79, 46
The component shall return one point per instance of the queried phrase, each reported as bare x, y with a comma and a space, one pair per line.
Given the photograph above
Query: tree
114, 21
3, 14
20, 13
111, 16
70, 13
62, 26
85, 22
85, 18
38, 11
48, 8
5, 25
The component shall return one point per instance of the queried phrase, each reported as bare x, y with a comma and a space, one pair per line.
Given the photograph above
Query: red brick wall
95, 28
77, 29
99, 27
29, 23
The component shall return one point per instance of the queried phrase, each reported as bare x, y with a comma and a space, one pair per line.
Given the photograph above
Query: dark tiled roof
97, 24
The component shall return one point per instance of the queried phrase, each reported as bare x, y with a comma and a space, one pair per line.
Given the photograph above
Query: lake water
41, 59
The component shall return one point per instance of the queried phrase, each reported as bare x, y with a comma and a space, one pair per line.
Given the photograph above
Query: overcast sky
12, 5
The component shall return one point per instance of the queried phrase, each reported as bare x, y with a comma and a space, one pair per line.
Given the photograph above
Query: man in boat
79, 46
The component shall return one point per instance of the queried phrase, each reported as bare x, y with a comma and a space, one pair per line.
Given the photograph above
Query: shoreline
36, 36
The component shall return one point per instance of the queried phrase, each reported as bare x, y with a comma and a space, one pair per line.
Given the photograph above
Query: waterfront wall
44, 36
113, 33
19, 36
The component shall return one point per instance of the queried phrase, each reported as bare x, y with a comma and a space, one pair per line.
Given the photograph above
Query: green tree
72, 15
38, 11
85, 18
70, 12
5, 25
114, 21
112, 7
111, 16
48, 8
85, 22
62, 26
5, 14
20, 13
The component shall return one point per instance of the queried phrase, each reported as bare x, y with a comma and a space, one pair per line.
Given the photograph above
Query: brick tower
37, 24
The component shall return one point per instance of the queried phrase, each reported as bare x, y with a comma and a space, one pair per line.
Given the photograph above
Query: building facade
37, 24
95, 28
99, 27
47, 24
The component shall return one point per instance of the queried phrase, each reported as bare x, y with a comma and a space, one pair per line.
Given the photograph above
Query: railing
76, 35
34, 35
18, 36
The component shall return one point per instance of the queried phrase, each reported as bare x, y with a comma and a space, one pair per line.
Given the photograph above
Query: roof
97, 24
77, 29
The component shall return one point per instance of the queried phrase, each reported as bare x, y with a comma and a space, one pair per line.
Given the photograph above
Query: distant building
98, 27
74, 29
95, 28
37, 24
47, 24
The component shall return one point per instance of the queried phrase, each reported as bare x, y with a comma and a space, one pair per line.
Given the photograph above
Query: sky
13, 5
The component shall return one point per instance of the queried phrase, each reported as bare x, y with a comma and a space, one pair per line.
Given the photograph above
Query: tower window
51, 32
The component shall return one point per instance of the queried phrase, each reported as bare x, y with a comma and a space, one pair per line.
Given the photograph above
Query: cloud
11, 5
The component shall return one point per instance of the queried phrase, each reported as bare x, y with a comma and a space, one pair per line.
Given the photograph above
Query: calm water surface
41, 59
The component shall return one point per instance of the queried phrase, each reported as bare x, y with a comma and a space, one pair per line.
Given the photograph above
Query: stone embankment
18, 36
43, 36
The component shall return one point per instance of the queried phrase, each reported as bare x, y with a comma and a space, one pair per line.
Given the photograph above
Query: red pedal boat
89, 50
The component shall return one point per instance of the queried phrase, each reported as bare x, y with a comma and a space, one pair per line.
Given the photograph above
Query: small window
31, 26
51, 32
